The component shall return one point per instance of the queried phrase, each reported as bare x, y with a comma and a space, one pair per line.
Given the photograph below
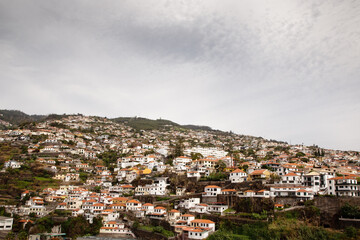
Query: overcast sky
282, 69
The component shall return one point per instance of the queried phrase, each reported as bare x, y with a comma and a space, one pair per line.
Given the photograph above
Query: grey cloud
281, 69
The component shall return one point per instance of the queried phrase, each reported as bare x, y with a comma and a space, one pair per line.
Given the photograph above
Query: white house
187, 218
189, 203
217, 208
133, 205
194, 174
148, 208
115, 227
238, 176
305, 194
313, 181
203, 223
12, 164
158, 187
291, 178
6, 223
173, 216
196, 233
211, 191
343, 186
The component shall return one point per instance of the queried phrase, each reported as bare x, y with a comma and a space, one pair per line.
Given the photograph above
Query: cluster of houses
72, 148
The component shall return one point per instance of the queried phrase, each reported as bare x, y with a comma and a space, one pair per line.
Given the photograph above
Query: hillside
16, 117
149, 124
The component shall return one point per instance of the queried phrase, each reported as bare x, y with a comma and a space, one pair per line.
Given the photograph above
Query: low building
6, 223
237, 176
343, 186
260, 174
211, 191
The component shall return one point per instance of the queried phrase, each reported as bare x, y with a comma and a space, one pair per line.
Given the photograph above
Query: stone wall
242, 204
145, 235
330, 210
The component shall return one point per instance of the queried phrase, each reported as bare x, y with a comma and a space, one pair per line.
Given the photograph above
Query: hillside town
173, 182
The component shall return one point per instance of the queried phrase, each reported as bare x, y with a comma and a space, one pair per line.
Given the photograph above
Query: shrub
350, 232
350, 211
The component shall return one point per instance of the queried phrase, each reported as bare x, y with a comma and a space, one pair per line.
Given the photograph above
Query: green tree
4, 213
351, 232
10, 236
83, 176
22, 235
195, 156
79, 226
220, 166
300, 154
109, 157
97, 189
179, 149
350, 211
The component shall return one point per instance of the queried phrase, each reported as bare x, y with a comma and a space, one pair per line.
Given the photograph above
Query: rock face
330, 210
145, 235
250, 205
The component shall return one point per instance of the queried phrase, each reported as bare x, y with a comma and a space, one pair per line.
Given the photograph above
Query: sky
283, 69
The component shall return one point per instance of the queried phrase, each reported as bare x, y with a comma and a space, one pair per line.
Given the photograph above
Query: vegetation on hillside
283, 228
8, 152
149, 124
29, 177
17, 117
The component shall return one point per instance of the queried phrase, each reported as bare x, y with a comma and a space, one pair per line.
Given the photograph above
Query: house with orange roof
238, 176
199, 208
148, 208
194, 233
187, 218
291, 178
118, 206
61, 206
279, 206
263, 193
25, 221
25, 193
117, 200
248, 193
173, 215
77, 212
133, 205
304, 194
228, 192
260, 174
35, 201
113, 227
159, 213
97, 207
207, 162
203, 223
110, 215
344, 186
